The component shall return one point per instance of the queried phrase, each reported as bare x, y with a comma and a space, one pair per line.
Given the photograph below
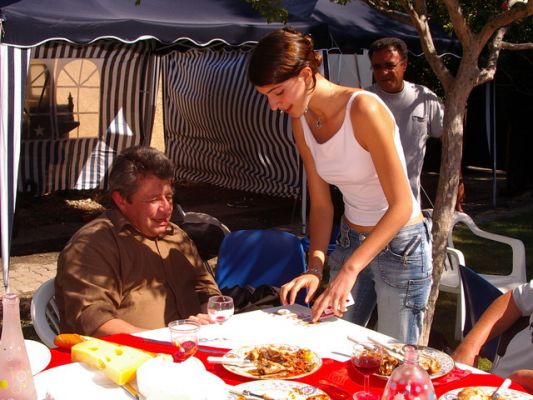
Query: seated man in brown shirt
131, 269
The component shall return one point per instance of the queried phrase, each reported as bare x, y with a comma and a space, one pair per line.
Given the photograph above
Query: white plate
509, 394
445, 361
76, 381
38, 354
242, 352
280, 389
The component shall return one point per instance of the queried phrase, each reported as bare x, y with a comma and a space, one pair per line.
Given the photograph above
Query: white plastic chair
450, 279
44, 313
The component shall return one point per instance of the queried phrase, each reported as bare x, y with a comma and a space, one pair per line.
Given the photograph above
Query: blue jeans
398, 280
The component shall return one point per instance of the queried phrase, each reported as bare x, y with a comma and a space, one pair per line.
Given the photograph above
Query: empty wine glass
366, 358
184, 335
220, 308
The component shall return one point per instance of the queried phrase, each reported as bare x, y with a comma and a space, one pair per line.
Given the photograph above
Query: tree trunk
450, 171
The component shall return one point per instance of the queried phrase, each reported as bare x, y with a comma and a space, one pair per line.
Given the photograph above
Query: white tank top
341, 161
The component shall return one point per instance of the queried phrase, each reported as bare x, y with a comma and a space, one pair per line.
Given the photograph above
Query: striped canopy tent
79, 82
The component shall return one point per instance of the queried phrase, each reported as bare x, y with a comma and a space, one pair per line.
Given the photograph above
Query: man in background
416, 109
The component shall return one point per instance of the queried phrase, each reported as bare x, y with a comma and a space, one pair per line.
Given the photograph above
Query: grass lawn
485, 256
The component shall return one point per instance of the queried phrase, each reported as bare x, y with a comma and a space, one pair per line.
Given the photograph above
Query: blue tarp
350, 27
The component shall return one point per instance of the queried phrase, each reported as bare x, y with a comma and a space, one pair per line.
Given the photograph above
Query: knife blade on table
248, 394
496, 394
131, 391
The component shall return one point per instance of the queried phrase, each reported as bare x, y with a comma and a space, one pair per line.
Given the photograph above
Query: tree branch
487, 74
383, 7
460, 27
517, 46
518, 11
420, 20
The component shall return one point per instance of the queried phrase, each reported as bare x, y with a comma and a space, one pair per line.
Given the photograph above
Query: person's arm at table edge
523, 377
497, 318
114, 326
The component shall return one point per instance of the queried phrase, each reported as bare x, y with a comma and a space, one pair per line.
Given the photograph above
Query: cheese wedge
119, 363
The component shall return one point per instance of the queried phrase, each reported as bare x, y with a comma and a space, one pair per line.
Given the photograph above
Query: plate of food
484, 393
277, 389
274, 361
435, 362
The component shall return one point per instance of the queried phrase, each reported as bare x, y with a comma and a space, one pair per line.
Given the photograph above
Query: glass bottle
409, 381
16, 379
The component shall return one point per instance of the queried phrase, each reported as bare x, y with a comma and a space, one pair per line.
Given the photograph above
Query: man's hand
202, 319
465, 354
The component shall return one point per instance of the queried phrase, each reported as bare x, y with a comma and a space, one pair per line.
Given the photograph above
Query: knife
247, 393
230, 361
200, 349
496, 394
131, 391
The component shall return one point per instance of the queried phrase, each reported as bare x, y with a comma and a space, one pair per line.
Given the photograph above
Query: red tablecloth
339, 379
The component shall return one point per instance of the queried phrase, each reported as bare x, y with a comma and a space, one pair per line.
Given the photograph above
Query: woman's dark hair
134, 163
281, 55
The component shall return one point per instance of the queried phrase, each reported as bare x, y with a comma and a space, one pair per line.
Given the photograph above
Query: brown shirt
109, 270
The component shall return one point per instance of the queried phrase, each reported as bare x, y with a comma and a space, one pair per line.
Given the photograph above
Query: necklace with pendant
318, 121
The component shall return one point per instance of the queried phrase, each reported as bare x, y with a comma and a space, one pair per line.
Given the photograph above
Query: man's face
388, 69
150, 207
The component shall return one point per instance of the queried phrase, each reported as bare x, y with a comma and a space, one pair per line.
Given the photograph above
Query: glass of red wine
366, 358
184, 336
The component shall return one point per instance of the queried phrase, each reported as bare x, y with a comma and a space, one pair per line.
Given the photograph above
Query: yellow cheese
119, 363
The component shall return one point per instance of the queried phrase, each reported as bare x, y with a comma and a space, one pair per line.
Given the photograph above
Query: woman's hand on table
335, 295
289, 291
202, 319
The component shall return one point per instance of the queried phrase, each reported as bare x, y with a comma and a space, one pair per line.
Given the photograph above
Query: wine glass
184, 335
366, 358
220, 308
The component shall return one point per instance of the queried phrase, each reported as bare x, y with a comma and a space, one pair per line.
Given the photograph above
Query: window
62, 99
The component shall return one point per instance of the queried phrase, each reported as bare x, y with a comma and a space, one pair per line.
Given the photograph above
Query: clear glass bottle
16, 379
409, 381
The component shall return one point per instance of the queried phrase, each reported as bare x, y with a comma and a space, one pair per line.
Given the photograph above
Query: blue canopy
202, 22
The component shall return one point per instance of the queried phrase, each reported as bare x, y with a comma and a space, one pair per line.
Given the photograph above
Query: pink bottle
16, 379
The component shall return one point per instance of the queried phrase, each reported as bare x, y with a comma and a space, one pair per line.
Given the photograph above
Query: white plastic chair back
450, 280
44, 313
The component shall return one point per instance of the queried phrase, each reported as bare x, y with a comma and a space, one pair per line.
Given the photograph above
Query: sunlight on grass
484, 256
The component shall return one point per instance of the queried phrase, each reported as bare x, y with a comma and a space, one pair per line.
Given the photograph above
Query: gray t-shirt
519, 353
418, 114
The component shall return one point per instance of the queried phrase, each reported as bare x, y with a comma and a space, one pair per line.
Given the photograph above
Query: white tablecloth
328, 338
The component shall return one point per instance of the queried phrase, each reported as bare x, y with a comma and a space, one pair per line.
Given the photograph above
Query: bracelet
317, 271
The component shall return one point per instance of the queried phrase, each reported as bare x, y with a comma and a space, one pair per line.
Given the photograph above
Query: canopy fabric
201, 21
13, 66
356, 25
351, 27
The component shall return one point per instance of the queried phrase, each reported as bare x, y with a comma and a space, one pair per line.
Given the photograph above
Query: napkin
164, 380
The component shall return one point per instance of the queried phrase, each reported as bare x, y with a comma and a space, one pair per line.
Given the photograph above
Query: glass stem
366, 383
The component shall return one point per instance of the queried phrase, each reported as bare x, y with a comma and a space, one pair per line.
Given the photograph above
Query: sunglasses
389, 66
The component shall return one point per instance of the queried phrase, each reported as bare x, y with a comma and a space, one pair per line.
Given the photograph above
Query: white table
328, 338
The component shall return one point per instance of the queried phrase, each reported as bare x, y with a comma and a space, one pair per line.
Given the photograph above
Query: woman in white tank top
347, 137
